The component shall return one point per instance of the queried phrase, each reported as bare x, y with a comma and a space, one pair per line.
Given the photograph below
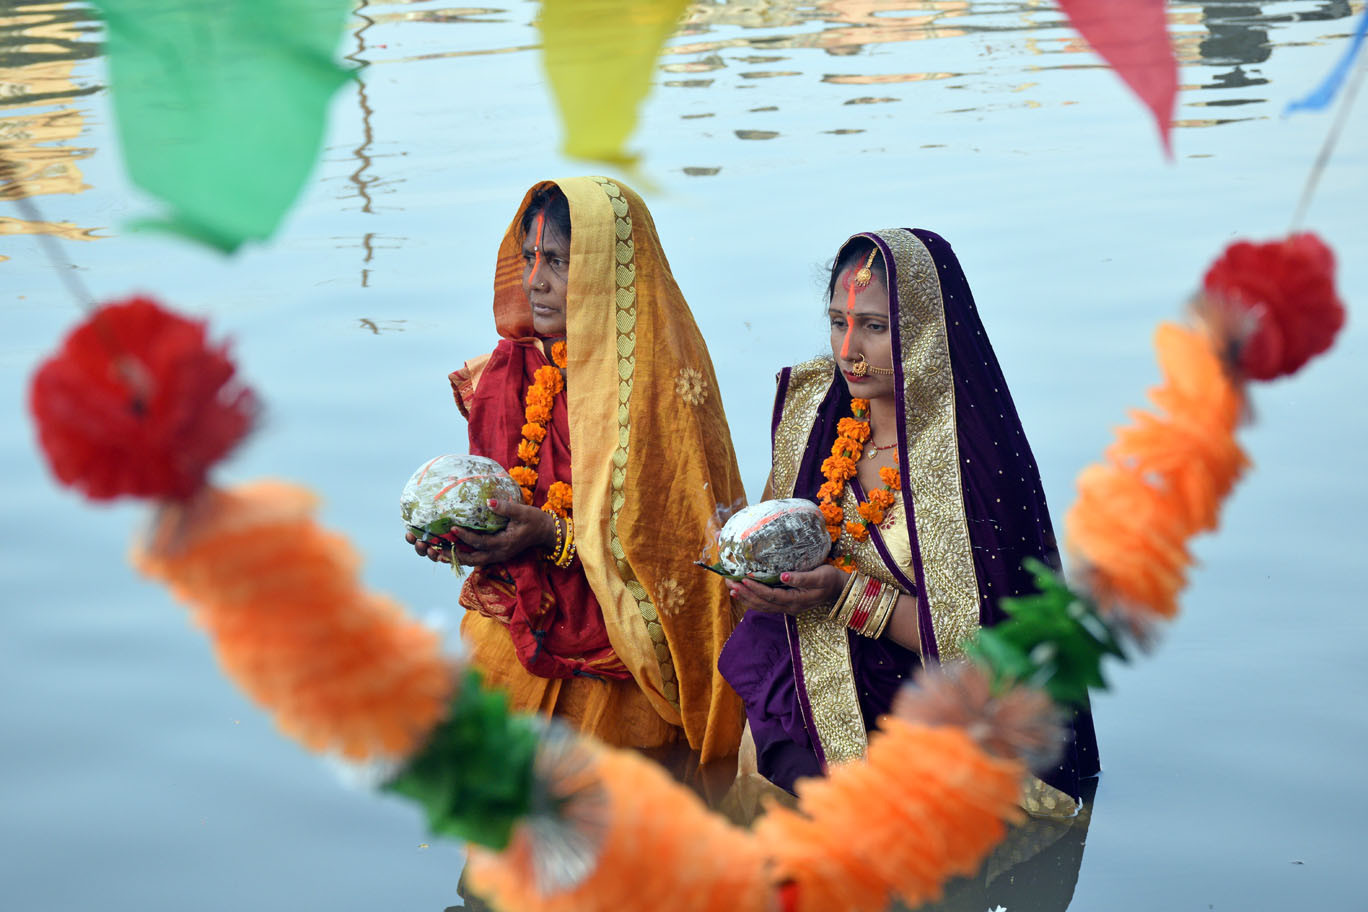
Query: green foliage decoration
474, 778
1053, 639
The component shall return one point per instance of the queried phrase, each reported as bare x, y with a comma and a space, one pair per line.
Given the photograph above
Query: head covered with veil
641, 436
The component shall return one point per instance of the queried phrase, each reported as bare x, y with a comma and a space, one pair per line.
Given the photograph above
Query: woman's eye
875, 327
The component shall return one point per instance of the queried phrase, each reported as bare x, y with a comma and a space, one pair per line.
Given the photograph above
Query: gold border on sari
933, 459
823, 647
631, 605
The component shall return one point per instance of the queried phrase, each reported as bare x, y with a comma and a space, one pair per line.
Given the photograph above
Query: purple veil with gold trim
974, 509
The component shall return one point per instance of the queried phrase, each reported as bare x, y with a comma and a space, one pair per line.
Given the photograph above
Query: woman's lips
542, 310
854, 379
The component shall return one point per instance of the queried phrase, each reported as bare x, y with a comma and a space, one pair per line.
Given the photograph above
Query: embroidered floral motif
669, 596
691, 387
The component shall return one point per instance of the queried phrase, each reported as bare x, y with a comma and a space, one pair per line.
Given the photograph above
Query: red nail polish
493, 503
784, 577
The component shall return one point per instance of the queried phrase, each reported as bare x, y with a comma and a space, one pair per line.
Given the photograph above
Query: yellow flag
600, 55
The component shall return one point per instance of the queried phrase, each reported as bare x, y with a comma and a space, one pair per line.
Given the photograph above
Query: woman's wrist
550, 534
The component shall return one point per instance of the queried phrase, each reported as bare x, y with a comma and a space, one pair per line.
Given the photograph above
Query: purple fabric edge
804, 704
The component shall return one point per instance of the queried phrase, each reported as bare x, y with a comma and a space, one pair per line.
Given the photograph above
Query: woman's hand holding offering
806, 590
528, 527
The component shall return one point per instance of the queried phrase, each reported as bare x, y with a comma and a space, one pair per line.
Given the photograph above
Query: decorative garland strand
344, 671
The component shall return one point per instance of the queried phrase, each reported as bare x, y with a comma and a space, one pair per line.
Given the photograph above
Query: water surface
136, 778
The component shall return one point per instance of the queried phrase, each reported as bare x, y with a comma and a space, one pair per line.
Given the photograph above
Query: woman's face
862, 330
546, 274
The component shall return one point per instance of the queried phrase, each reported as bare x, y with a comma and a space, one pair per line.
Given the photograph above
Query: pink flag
1132, 36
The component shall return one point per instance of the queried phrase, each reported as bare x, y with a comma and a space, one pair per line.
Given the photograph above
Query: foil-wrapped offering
455, 490
772, 537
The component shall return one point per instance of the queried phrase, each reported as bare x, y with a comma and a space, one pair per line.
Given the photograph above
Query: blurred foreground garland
567, 825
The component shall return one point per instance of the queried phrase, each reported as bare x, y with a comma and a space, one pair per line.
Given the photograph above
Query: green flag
221, 107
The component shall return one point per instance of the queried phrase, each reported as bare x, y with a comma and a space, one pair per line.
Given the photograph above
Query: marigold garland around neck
838, 469
548, 383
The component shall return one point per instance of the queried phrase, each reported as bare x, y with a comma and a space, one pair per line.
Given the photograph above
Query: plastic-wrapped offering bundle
455, 490
771, 537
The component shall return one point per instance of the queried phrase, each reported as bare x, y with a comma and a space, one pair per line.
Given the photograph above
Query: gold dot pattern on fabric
830, 684
933, 447
625, 277
808, 386
822, 645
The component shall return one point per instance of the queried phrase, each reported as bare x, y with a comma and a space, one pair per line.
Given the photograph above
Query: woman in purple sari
816, 673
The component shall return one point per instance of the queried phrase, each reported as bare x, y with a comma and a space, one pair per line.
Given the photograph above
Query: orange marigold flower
855, 430
859, 406
889, 476
834, 532
882, 498
524, 476
549, 379
527, 496
540, 395
559, 497
831, 468
871, 512
534, 432
857, 531
845, 563
529, 452
845, 446
830, 491
538, 414
832, 514
559, 356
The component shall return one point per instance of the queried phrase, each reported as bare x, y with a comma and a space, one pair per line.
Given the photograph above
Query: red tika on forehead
855, 281
536, 251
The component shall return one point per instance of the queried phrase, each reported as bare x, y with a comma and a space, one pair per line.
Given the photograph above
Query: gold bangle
566, 555
840, 599
883, 612
840, 612
553, 553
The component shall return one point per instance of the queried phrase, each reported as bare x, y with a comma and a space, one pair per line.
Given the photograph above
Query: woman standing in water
907, 437
600, 399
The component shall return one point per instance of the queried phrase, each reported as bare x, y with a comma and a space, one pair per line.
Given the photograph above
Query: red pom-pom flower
1288, 289
137, 403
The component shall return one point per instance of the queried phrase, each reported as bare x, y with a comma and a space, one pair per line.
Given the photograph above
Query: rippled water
135, 777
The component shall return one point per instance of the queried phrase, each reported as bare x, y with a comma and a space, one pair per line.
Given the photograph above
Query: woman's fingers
512, 510
789, 600
410, 538
480, 541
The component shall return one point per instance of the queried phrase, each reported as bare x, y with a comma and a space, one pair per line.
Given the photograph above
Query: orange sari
650, 456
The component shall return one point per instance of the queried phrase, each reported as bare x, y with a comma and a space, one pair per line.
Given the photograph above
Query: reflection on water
40, 45
758, 104
1034, 869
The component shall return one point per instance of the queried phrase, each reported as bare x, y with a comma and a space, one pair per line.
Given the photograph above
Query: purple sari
974, 509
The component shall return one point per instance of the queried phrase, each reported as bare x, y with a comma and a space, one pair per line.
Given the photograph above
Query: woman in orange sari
601, 400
